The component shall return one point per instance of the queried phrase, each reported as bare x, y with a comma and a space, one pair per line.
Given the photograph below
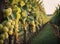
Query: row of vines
55, 21
56, 18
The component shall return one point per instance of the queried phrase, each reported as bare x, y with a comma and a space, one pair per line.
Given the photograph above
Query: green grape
1, 26
13, 22
1, 41
6, 35
5, 29
8, 24
7, 11
10, 32
2, 36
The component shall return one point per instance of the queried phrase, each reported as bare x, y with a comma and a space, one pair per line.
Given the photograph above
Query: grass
46, 36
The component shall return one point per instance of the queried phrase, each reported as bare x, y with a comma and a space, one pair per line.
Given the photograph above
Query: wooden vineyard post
10, 39
14, 39
6, 41
24, 41
36, 30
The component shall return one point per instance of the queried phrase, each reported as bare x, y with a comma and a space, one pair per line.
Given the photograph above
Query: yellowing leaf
14, 2
22, 3
24, 14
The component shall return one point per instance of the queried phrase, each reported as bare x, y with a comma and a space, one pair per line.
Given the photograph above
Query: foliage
21, 13
56, 18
